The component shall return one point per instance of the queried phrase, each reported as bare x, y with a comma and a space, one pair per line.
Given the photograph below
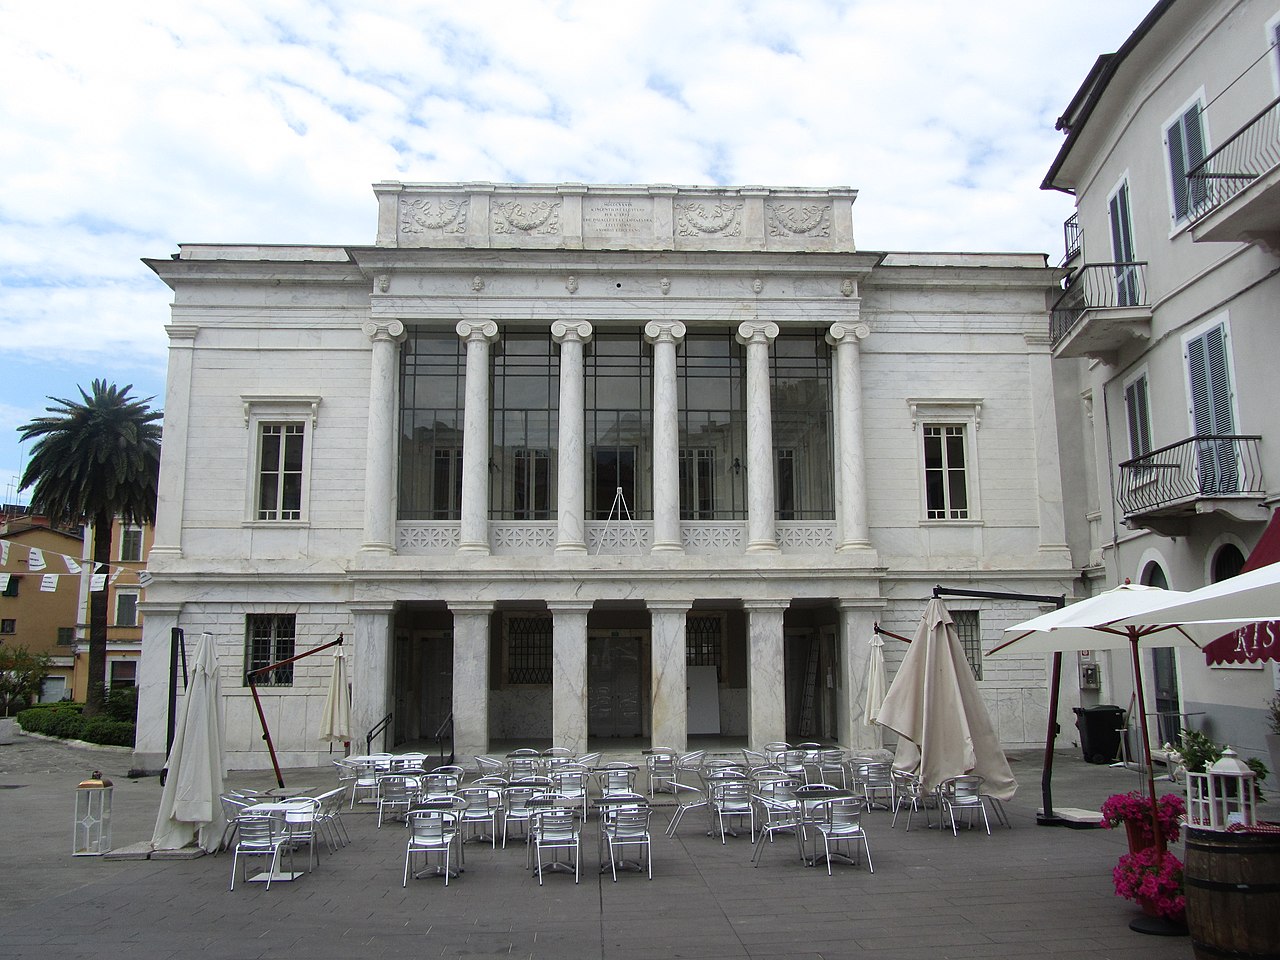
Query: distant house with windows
39, 597
1172, 152
621, 465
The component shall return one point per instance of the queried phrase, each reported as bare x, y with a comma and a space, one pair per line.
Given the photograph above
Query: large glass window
713, 430
619, 427
526, 393
946, 482
280, 466
432, 387
803, 453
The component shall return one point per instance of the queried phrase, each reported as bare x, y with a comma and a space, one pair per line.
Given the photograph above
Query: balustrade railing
1095, 286
1250, 152
1206, 466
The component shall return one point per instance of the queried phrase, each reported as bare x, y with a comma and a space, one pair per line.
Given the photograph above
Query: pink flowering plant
1134, 808
1153, 878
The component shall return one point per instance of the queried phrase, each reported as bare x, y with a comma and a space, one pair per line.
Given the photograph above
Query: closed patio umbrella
877, 683
190, 804
335, 721
934, 704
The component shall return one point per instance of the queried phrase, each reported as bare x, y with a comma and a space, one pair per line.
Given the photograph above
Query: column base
164, 553
569, 547
380, 547
762, 546
481, 549
860, 548
667, 547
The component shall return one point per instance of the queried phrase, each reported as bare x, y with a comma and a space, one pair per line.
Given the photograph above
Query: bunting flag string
35, 559
38, 561
49, 583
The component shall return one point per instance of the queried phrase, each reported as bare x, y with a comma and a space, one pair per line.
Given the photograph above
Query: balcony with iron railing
1072, 238
1164, 489
1103, 306
1235, 191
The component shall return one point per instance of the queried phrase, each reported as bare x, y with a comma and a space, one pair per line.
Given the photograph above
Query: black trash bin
1100, 729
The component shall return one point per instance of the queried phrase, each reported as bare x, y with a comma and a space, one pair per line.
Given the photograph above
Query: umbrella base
1157, 926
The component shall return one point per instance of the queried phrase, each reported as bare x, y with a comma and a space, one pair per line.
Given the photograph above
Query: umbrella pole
1146, 740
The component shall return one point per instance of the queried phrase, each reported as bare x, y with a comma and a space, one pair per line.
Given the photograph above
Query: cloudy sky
129, 127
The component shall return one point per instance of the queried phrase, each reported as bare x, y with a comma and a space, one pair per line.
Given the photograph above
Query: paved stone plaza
1025, 891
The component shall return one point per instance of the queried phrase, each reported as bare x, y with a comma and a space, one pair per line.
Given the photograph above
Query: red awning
1256, 641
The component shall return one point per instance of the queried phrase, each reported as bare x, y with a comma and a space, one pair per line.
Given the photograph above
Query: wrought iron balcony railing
1072, 237
1252, 151
1096, 286
1189, 470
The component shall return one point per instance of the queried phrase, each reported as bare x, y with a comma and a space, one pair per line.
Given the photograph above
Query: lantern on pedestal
1223, 795
91, 835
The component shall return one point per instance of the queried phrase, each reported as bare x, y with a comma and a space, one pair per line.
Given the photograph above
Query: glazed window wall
800, 377
711, 374
525, 398
619, 426
432, 387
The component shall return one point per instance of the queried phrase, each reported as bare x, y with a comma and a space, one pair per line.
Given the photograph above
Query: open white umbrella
935, 705
1092, 624
335, 721
877, 684
190, 804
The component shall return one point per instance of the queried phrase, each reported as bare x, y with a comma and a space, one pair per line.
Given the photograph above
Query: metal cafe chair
431, 831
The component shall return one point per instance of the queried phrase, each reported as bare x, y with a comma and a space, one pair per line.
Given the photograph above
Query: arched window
1227, 562
1153, 576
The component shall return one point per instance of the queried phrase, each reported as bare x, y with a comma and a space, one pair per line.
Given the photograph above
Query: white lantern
1231, 792
92, 828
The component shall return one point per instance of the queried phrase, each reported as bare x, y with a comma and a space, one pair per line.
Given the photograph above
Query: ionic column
471, 621
380, 450
571, 497
370, 670
475, 436
851, 471
569, 674
766, 672
665, 336
762, 531
670, 710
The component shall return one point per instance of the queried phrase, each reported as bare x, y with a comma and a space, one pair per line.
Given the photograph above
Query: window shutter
1219, 380
1177, 170
1135, 399
1193, 138
1201, 412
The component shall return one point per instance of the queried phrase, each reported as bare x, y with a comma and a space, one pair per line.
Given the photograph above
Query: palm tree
94, 461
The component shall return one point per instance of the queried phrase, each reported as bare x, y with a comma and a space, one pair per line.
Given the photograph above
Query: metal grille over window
702, 642
946, 488
280, 477
529, 650
969, 631
269, 638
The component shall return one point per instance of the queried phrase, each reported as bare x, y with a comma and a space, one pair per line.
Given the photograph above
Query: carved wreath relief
419, 215
537, 217
806, 219
696, 218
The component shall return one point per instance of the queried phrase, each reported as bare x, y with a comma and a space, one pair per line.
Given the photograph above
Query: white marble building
629, 463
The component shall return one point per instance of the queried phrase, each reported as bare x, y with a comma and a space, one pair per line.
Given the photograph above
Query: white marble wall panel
569, 675
734, 712
520, 712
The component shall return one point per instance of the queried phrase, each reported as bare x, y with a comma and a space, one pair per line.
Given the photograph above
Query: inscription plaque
627, 218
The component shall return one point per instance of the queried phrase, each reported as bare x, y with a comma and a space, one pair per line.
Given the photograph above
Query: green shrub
116, 733
64, 720
122, 704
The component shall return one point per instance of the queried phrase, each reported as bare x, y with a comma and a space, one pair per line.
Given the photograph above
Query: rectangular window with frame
446, 487
969, 630
704, 645
126, 609
11, 587
784, 477
268, 639
529, 650
1125, 268
130, 544
532, 485
1185, 145
280, 468
8, 626
124, 673
946, 484
66, 636
1209, 377
697, 483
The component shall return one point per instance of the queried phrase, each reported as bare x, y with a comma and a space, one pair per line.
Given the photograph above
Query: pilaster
766, 688
569, 674
670, 707
471, 621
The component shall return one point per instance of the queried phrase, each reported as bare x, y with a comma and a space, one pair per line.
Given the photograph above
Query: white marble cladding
578, 216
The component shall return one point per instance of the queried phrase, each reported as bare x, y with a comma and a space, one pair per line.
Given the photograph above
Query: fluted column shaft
665, 336
571, 497
851, 470
756, 335
380, 450
475, 437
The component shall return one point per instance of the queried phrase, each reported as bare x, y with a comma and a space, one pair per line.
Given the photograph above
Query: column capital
371, 608
473, 330
182, 334
664, 331
570, 606
571, 330
844, 331
765, 605
757, 331
383, 330
669, 606
471, 607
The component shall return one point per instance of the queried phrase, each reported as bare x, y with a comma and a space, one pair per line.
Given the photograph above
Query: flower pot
1139, 835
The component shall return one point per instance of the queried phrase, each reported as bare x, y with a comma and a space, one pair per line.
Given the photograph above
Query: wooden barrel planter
1232, 886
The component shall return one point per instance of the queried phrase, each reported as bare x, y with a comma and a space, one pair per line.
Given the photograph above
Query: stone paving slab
1027, 890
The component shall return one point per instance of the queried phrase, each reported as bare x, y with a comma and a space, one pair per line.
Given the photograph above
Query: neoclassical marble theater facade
626, 463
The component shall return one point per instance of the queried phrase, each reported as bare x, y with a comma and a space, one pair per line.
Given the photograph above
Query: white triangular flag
98, 582
115, 574
4, 582
49, 583
35, 559
4, 551
73, 568
144, 578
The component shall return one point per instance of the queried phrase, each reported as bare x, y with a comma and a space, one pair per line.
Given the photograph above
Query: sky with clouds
130, 127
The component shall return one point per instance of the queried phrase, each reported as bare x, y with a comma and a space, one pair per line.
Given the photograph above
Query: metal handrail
1250, 152
378, 728
1212, 465
1098, 285
1072, 237
439, 739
